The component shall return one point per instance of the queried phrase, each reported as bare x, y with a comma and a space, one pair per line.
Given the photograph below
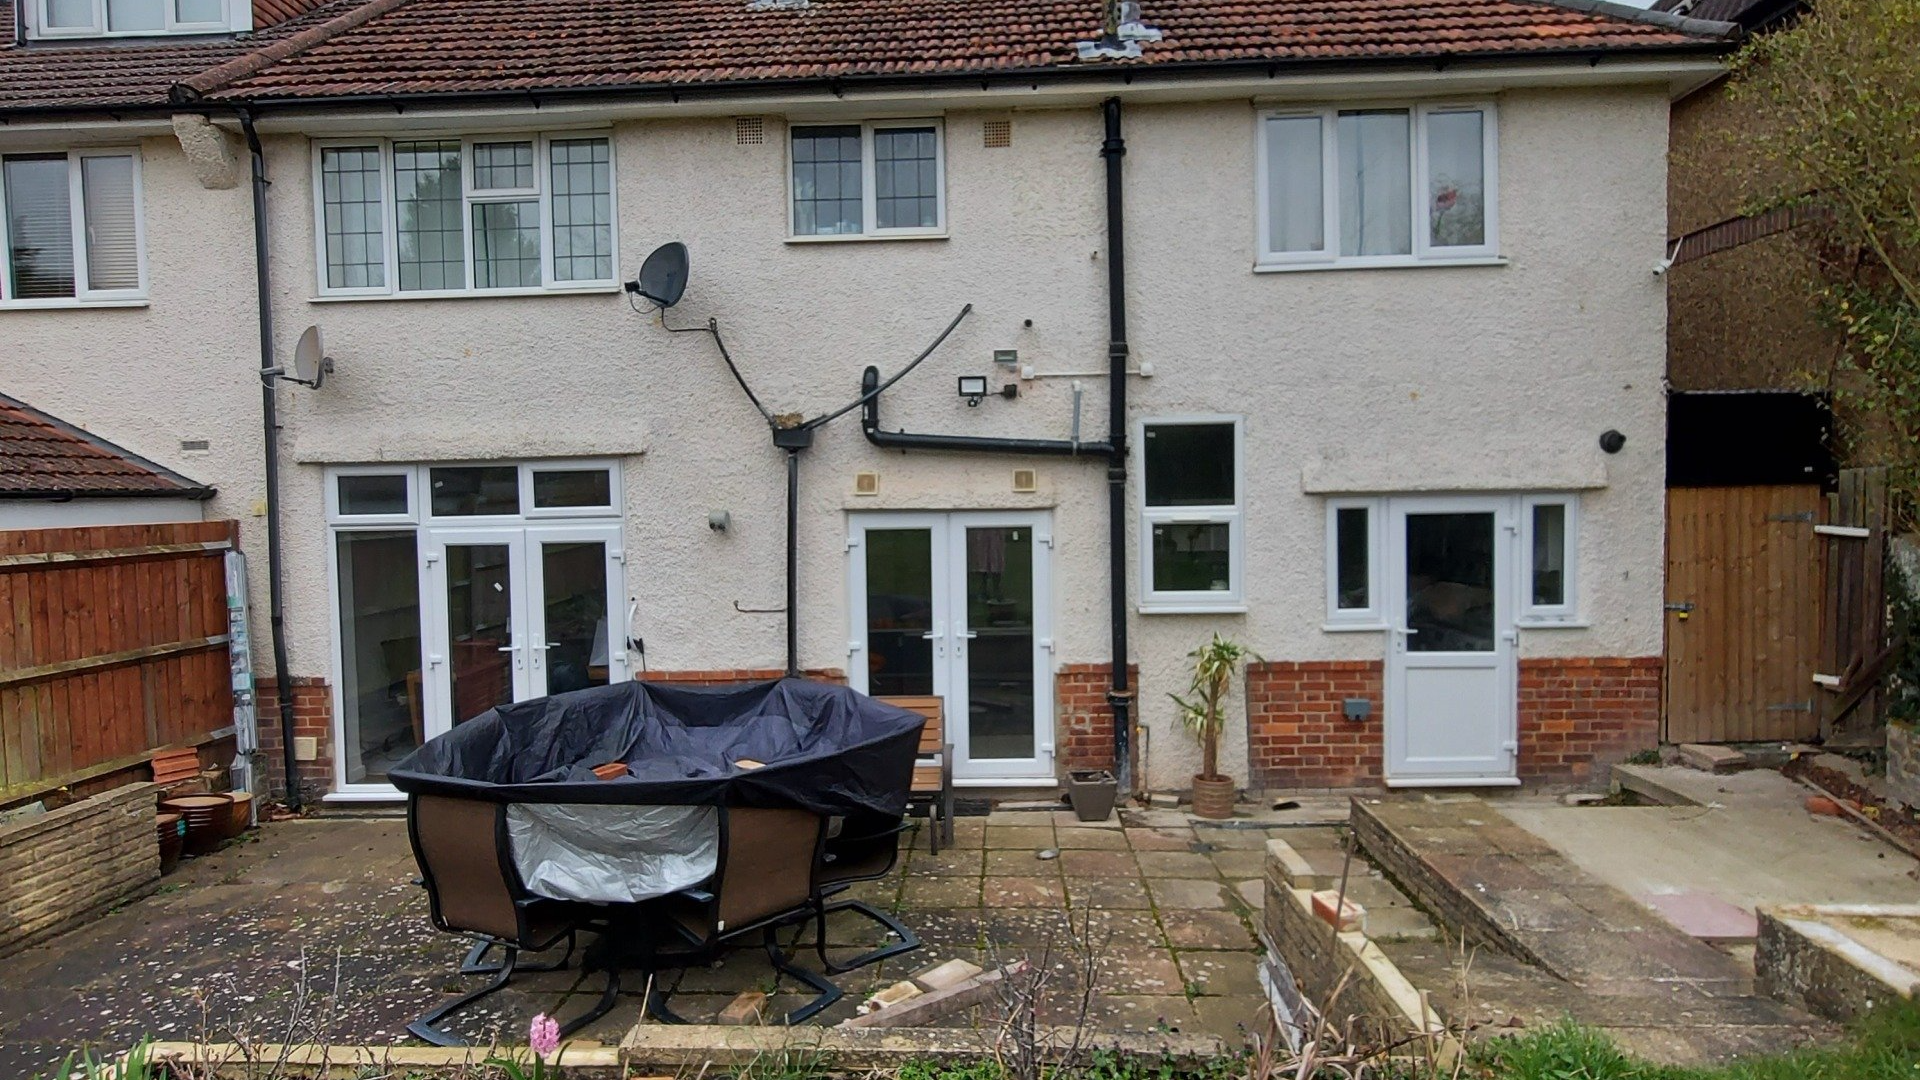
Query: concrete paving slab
1207, 930
1187, 894
1704, 916
1161, 839
1022, 837
1101, 839
1176, 864
1091, 864
963, 862
1048, 892
1023, 862
1108, 893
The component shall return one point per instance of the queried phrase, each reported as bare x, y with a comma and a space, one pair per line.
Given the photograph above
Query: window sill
1375, 264
463, 294
1553, 624
865, 238
1193, 607
1354, 628
69, 305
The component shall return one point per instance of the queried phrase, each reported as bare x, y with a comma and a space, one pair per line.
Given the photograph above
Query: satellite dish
663, 277
310, 361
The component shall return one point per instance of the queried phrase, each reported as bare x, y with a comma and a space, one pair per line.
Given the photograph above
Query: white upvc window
472, 493
136, 18
884, 178
1375, 185
1353, 565
513, 214
73, 228
1549, 562
1192, 492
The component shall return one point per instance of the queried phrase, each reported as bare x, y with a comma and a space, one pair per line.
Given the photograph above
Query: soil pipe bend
270, 431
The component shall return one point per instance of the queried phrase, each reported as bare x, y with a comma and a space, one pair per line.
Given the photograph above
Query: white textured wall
1436, 379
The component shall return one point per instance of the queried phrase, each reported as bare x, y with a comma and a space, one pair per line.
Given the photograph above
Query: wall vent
195, 446
866, 483
749, 130
995, 134
1026, 481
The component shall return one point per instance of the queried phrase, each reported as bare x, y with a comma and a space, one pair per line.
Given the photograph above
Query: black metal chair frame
427, 1026
694, 949
907, 939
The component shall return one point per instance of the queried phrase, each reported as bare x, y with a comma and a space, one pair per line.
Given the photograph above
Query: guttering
270, 432
194, 494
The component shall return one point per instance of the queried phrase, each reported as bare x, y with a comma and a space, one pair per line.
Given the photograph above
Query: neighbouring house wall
77, 513
1742, 319
66, 866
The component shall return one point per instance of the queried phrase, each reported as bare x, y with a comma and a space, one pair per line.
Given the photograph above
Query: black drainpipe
1119, 694
270, 425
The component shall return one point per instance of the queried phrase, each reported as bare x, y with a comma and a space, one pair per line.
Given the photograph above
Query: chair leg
608, 999
908, 942
656, 1005
933, 825
946, 812
475, 964
828, 993
425, 1028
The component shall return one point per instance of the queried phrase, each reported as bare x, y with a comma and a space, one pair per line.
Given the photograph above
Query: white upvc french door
518, 613
1452, 667
959, 605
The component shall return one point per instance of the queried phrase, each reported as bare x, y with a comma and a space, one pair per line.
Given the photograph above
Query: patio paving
315, 928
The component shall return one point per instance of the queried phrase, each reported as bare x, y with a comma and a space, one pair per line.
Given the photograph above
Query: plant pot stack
241, 818
207, 817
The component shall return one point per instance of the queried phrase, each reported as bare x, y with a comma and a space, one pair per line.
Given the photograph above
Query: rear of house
1393, 409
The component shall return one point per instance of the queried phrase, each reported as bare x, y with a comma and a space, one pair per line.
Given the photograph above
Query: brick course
1084, 735
1577, 716
69, 865
312, 716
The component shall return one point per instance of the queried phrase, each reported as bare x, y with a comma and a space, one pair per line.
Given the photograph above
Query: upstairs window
73, 228
1190, 518
1377, 186
879, 179
122, 18
451, 216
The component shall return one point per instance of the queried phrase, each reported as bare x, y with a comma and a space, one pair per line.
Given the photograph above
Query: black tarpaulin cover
821, 747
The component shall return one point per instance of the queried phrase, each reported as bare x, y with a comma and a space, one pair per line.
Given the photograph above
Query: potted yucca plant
1202, 710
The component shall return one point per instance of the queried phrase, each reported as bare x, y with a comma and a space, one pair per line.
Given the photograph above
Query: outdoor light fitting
974, 389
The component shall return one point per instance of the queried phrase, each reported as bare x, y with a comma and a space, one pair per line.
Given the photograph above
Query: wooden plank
89, 664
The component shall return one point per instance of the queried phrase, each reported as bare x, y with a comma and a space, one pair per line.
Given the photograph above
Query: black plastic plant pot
1092, 793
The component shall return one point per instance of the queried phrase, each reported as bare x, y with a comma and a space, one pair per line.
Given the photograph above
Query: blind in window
39, 227
113, 240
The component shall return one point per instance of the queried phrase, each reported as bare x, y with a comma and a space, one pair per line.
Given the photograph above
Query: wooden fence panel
112, 645
1743, 620
1854, 632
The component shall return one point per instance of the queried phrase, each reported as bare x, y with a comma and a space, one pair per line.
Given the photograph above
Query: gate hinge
1804, 515
1684, 607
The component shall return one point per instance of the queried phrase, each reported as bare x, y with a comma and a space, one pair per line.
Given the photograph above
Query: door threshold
1048, 781
1454, 781
365, 795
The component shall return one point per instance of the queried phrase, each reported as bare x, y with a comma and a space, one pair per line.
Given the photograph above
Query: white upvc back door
1452, 672
477, 635
576, 625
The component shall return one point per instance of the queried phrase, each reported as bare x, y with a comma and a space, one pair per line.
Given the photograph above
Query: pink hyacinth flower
543, 1035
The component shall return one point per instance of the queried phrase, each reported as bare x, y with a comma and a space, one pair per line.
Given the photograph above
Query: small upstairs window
127, 18
72, 228
874, 180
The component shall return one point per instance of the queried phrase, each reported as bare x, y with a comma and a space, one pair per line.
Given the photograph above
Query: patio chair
933, 771
766, 876
474, 890
865, 850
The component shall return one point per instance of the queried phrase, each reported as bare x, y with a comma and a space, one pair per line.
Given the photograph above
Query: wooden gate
1743, 613
1855, 652
113, 643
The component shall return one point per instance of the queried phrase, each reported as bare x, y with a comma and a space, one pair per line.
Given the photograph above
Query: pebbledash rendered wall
1485, 378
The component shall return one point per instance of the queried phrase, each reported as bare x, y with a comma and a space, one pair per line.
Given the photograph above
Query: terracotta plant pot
207, 818
172, 834
1213, 797
242, 818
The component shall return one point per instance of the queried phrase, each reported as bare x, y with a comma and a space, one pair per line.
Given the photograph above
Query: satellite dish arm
827, 418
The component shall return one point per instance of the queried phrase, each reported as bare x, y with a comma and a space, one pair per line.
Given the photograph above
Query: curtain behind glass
1296, 185
1376, 165
113, 240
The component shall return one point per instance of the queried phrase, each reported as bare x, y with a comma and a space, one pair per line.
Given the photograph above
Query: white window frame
1568, 611
534, 513
239, 19
338, 516
470, 196
868, 196
77, 212
1174, 601
1373, 616
1424, 252
1527, 615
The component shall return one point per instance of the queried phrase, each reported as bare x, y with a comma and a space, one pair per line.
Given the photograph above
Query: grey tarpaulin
612, 854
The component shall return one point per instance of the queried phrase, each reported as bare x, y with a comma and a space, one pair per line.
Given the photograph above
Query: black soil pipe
793, 561
270, 429
1120, 693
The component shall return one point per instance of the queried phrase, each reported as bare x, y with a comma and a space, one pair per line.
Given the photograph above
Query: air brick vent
749, 130
997, 133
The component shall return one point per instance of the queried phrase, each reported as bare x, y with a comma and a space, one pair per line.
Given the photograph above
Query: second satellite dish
663, 277
310, 361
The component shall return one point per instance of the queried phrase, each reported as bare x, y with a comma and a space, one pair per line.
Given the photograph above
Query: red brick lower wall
1084, 734
312, 715
1577, 717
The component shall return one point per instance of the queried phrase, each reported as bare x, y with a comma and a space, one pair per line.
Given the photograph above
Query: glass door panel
382, 713
1450, 582
997, 643
483, 657
574, 644
899, 611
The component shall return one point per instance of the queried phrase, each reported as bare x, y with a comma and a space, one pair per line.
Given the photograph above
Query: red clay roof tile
42, 456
